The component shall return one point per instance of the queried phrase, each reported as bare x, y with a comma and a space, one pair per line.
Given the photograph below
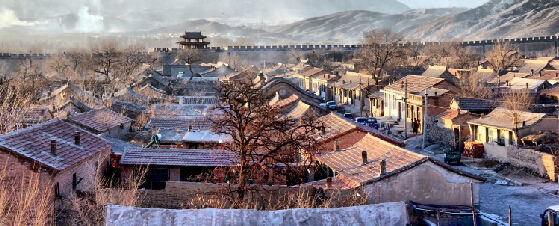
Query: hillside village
425, 138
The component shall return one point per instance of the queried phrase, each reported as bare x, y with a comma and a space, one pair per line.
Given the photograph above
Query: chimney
532, 70
337, 146
77, 138
364, 155
523, 123
53, 146
328, 76
435, 93
507, 82
323, 130
526, 85
329, 182
343, 81
382, 167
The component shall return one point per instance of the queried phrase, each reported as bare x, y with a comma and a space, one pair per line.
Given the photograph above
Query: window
57, 190
74, 181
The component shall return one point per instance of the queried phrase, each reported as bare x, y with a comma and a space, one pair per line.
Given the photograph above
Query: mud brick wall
539, 162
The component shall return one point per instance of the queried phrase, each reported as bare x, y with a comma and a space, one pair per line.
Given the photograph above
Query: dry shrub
23, 200
89, 208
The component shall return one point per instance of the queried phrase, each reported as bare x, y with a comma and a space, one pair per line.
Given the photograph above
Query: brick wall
442, 102
19, 170
85, 171
180, 195
346, 141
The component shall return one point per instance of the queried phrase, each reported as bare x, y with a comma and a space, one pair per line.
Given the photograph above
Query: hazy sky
443, 3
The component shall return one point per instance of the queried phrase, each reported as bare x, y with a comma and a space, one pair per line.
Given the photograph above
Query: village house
337, 134
440, 94
551, 76
473, 105
533, 67
25, 117
440, 72
376, 104
183, 71
67, 157
350, 88
103, 121
502, 80
388, 173
502, 128
176, 164
456, 121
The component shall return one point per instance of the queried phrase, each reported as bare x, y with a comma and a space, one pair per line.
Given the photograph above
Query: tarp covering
393, 213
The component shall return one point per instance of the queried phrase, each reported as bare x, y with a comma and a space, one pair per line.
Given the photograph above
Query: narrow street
527, 195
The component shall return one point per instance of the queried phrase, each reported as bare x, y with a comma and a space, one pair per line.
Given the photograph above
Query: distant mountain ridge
495, 19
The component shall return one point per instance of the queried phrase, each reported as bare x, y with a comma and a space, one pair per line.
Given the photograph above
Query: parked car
361, 120
452, 155
323, 104
372, 122
554, 210
332, 105
348, 116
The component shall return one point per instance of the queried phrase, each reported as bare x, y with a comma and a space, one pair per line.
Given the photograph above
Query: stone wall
538, 162
381, 214
427, 183
181, 195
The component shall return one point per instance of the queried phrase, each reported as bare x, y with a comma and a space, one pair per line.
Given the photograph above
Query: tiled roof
450, 114
118, 145
474, 104
508, 77
546, 75
338, 182
353, 80
287, 101
179, 157
34, 143
349, 162
312, 71
434, 71
416, 84
551, 92
100, 120
180, 110
484, 74
535, 65
503, 118
193, 136
299, 110
179, 123
335, 125
520, 83
377, 95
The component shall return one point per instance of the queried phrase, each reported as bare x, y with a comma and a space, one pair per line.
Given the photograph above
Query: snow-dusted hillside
495, 19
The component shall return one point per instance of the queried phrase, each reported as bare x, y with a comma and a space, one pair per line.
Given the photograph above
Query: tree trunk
242, 184
191, 73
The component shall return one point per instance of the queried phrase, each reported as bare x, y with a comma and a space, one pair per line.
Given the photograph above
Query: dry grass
23, 200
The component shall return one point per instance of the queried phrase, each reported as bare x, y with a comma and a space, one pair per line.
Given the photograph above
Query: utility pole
405, 86
425, 121
360, 98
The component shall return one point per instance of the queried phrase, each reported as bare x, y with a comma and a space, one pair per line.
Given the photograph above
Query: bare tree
58, 64
131, 60
473, 86
320, 58
234, 61
295, 56
518, 100
105, 55
259, 134
380, 47
503, 56
76, 57
189, 57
